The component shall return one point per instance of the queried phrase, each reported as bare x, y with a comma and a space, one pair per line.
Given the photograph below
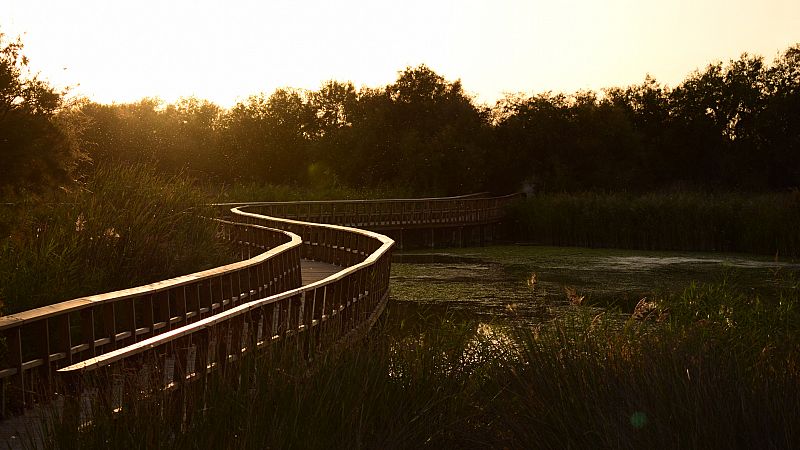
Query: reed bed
687, 221
719, 371
122, 227
248, 192
714, 367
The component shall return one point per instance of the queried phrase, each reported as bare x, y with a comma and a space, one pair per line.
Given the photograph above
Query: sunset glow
224, 51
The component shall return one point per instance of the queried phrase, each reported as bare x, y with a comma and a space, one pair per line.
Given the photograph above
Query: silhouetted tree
436, 131
331, 134
129, 132
728, 126
713, 113
778, 127
269, 136
647, 108
34, 151
192, 137
559, 142
731, 125
421, 132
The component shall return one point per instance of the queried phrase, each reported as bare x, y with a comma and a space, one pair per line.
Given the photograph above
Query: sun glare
224, 51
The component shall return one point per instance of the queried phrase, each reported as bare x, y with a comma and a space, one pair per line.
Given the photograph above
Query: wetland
524, 285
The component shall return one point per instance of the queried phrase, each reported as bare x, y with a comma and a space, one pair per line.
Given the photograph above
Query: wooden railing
179, 330
391, 214
42, 340
319, 315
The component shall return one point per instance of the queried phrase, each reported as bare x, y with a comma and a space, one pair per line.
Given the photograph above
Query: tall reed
722, 371
714, 368
274, 192
124, 226
689, 221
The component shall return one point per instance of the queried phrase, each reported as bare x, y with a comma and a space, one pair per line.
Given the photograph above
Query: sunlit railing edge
477, 195
117, 355
76, 304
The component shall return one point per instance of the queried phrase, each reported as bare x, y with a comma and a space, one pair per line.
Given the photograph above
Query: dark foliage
733, 126
35, 149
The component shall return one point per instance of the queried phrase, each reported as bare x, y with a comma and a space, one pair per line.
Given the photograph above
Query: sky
223, 51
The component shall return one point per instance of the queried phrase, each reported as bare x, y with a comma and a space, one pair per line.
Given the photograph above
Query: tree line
729, 126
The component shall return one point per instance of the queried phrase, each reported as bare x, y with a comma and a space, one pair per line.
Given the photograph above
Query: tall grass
722, 372
274, 192
711, 368
383, 394
124, 226
689, 221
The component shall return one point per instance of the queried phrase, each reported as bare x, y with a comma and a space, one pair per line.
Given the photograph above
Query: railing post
62, 341
178, 306
87, 328
14, 398
109, 323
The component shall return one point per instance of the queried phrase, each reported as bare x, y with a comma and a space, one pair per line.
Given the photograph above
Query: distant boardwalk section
456, 221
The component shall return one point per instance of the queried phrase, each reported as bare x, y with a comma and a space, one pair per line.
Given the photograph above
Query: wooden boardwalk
30, 423
289, 251
313, 271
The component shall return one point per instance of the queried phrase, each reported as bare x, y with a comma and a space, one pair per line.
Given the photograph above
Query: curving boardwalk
306, 273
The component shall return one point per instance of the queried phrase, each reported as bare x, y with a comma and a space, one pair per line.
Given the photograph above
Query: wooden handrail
393, 214
41, 340
77, 304
240, 306
270, 306
373, 200
322, 314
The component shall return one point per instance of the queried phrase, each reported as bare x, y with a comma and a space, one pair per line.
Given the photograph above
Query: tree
647, 108
779, 124
270, 136
34, 151
333, 107
191, 132
435, 134
127, 132
713, 115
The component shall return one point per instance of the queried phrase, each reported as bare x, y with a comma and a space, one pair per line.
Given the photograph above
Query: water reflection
451, 346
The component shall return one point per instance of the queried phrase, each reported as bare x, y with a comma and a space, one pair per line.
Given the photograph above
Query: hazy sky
224, 50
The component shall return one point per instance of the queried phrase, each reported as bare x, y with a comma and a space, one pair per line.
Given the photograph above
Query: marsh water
527, 284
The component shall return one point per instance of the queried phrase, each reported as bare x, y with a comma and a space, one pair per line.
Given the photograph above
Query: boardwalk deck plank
313, 271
